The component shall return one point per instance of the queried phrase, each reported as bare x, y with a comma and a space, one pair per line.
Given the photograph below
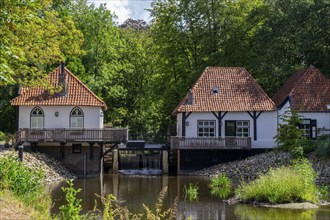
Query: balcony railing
106, 135
211, 143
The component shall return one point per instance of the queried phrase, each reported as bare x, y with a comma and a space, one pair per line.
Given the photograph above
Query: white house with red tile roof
74, 107
67, 124
225, 109
308, 92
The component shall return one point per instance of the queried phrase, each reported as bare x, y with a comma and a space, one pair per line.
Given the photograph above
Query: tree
290, 138
34, 37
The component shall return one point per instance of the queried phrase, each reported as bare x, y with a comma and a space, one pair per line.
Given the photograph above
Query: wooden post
91, 151
165, 161
101, 159
62, 154
85, 164
20, 152
178, 162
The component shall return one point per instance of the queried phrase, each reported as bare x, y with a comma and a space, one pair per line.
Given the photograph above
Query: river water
136, 190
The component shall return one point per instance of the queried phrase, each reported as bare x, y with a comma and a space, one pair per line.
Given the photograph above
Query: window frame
206, 128
238, 124
311, 130
77, 117
37, 116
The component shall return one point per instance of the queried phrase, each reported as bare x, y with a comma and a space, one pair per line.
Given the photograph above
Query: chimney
190, 98
62, 81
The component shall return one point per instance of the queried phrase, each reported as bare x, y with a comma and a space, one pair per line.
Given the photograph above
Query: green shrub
295, 183
221, 186
2, 136
191, 192
290, 138
18, 178
322, 145
70, 211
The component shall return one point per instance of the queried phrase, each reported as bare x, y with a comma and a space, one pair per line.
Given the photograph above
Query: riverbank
53, 169
251, 167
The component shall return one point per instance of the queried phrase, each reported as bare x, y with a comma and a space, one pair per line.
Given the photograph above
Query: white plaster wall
91, 116
322, 118
266, 126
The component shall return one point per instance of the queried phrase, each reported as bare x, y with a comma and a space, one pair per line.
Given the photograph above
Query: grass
221, 186
13, 208
23, 189
191, 192
295, 183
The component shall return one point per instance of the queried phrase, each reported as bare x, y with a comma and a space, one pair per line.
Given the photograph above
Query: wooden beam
255, 116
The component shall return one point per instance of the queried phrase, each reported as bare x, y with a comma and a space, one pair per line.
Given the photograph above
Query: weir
149, 159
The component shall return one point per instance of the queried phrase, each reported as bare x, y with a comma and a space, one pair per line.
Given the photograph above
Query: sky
126, 8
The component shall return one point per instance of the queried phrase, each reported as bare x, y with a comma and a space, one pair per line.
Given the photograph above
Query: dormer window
215, 90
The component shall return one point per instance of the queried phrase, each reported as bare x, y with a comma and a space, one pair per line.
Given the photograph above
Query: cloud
125, 9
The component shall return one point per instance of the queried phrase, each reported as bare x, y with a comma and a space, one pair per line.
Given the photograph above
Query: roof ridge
81, 83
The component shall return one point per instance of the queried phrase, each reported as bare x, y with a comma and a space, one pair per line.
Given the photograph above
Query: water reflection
138, 190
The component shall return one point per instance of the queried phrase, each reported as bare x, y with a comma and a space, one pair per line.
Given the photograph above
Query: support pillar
62, 154
115, 184
115, 163
165, 161
178, 162
101, 159
91, 151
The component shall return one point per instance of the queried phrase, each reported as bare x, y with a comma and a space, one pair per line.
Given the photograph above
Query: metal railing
210, 143
106, 135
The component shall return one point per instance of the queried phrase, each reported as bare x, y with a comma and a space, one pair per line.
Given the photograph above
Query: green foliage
221, 186
290, 138
24, 183
72, 209
159, 213
15, 176
34, 37
322, 145
295, 183
191, 192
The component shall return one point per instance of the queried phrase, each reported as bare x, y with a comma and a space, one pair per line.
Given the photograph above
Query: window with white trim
37, 118
77, 118
237, 128
206, 128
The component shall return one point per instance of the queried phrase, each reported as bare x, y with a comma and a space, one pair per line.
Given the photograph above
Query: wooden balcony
209, 143
106, 135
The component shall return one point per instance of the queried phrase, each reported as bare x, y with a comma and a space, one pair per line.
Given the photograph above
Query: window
206, 128
37, 118
237, 128
76, 118
309, 127
76, 148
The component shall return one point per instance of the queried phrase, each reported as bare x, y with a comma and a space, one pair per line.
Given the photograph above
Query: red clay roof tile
77, 93
238, 91
308, 90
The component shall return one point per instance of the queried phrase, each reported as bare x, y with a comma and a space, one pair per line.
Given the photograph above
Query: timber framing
255, 116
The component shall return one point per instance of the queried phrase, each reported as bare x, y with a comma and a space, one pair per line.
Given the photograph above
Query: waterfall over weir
144, 162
